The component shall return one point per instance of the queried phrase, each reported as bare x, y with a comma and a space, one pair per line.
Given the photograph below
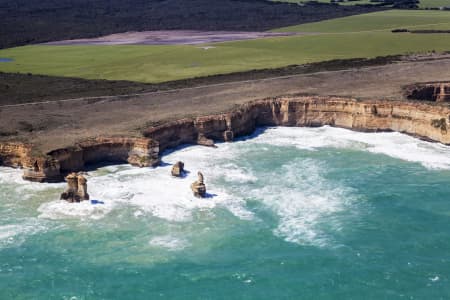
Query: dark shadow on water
164, 164
210, 196
96, 166
183, 175
258, 131
181, 147
96, 202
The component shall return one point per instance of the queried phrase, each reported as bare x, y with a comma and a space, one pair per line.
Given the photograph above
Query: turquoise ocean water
292, 213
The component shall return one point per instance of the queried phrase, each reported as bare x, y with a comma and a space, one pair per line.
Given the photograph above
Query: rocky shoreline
424, 120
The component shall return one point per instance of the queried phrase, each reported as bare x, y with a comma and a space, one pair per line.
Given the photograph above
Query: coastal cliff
435, 91
424, 120
51, 166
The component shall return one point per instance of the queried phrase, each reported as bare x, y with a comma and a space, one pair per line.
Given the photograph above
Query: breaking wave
307, 204
393, 144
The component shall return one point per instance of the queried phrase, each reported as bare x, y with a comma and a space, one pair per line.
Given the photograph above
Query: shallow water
292, 213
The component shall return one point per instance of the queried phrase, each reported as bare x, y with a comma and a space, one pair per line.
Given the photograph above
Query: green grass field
358, 36
434, 3
422, 4
379, 21
329, 1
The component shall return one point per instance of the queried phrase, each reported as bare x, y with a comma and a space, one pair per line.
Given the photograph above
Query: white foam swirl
393, 144
303, 200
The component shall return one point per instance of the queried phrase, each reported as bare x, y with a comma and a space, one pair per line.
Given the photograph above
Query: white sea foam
396, 145
60, 209
155, 192
169, 242
233, 173
12, 176
304, 201
8, 231
434, 279
23, 190
15, 234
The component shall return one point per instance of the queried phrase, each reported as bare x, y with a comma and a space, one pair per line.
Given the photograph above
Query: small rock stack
198, 187
178, 169
76, 190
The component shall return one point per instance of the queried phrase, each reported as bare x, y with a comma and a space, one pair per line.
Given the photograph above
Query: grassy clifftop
360, 36
378, 21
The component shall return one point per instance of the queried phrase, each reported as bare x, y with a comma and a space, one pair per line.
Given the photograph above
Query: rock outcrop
178, 169
15, 154
436, 91
36, 168
421, 119
198, 187
51, 167
76, 190
412, 118
82, 188
204, 141
43, 170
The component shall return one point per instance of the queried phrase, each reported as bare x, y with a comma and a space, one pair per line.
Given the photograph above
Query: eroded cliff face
140, 152
432, 91
52, 166
14, 154
423, 120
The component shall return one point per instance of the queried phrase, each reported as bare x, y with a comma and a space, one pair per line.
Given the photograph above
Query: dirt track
59, 124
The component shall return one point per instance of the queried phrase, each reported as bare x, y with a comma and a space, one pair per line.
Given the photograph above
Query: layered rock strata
425, 120
178, 169
76, 190
52, 166
198, 187
438, 91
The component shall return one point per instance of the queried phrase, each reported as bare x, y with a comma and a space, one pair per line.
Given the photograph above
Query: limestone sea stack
198, 187
76, 190
82, 187
178, 169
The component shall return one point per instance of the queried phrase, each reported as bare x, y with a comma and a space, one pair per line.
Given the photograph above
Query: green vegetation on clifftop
359, 36
379, 21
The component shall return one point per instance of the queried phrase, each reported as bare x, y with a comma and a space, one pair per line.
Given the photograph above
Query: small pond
4, 59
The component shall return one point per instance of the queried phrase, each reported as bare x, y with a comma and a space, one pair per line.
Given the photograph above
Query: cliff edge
424, 120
